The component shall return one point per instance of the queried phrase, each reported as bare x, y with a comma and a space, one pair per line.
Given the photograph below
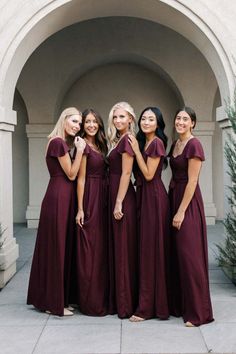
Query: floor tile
220, 337
78, 319
18, 339
71, 339
224, 311
21, 315
158, 338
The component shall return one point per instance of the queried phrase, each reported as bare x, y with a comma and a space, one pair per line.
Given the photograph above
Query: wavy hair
59, 129
100, 137
112, 134
159, 132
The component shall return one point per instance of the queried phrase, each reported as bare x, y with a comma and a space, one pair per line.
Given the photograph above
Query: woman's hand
79, 143
178, 219
80, 218
118, 211
133, 143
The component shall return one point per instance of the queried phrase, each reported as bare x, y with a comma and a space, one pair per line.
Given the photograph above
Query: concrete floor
26, 330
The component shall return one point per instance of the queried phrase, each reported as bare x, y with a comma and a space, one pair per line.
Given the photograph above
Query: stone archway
39, 21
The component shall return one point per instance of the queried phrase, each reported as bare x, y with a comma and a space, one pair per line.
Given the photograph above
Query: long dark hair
159, 132
100, 137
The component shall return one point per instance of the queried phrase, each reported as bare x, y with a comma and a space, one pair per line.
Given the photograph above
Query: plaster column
38, 173
204, 131
9, 250
225, 125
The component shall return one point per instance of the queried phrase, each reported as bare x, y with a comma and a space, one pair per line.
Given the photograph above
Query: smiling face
72, 124
183, 123
148, 122
121, 120
91, 125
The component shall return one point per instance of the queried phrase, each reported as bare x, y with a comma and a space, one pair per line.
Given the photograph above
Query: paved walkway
25, 330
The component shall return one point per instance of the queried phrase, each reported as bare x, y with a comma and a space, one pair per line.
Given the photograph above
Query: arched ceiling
38, 21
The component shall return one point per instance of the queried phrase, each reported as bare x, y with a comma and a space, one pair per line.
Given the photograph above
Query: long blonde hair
112, 133
59, 129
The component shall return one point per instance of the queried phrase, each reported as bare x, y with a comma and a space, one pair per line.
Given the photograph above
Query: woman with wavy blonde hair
122, 207
49, 282
112, 133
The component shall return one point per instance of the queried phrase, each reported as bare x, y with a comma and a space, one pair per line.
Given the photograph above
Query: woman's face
183, 123
91, 126
148, 122
121, 120
72, 124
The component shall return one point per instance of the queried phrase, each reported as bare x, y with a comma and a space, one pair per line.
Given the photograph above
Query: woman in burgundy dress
190, 297
153, 206
92, 248
123, 240
50, 272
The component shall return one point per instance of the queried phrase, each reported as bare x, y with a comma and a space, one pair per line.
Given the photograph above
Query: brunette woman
122, 207
50, 273
92, 250
153, 206
190, 283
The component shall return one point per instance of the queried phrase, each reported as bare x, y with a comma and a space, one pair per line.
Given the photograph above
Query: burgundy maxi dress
190, 296
92, 246
153, 206
50, 272
123, 241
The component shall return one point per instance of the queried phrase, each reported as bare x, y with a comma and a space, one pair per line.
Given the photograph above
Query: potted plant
227, 251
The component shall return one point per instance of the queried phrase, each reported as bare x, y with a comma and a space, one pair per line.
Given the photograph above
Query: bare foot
189, 324
68, 312
70, 308
136, 319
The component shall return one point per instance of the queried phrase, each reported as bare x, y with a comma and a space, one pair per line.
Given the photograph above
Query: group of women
109, 247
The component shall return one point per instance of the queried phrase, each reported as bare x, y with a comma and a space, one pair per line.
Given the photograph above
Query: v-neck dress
190, 296
153, 206
92, 245
123, 241
50, 272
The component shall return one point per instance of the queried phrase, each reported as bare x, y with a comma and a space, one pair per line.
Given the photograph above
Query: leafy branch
227, 250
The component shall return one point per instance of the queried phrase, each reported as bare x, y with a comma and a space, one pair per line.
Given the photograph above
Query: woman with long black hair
153, 212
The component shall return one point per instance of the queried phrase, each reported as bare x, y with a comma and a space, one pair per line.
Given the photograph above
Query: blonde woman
122, 207
49, 278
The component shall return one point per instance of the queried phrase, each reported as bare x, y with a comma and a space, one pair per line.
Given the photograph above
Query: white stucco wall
217, 164
104, 86
62, 59
20, 162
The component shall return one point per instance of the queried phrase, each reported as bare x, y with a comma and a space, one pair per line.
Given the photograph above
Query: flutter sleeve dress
92, 245
48, 283
190, 296
153, 206
123, 238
